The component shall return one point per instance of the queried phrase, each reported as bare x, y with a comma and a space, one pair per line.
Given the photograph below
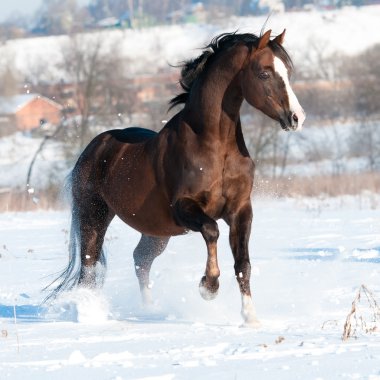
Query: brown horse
196, 170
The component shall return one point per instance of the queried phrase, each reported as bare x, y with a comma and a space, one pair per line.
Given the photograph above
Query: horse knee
210, 231
243, 266
148, 249
144, 254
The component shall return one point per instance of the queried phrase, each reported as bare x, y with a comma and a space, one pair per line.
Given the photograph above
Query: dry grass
318, 186
364, 316
333, 186
17, 200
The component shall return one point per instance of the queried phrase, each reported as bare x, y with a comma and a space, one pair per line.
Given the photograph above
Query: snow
309, 258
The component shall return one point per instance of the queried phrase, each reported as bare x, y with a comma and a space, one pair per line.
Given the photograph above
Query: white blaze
294, 104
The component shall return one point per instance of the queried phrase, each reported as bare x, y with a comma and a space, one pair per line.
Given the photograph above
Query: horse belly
132, 192
153, 216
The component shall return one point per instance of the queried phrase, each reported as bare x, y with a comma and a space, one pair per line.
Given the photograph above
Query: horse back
132, 135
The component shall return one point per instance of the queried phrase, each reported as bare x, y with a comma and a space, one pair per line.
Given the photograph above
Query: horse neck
213, 108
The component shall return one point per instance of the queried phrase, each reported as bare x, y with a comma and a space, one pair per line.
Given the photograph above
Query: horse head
265, 82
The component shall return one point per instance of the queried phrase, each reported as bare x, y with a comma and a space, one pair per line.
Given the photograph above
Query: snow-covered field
309, 258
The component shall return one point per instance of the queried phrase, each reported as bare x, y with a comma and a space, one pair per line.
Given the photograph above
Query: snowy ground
309, 258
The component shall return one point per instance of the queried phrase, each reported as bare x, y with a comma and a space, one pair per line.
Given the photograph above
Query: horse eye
264, 75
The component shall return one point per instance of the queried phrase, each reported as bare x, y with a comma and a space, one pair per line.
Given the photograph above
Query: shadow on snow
358, 255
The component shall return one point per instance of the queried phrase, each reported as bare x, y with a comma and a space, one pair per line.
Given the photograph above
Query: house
26, 112
152, 87
124, 21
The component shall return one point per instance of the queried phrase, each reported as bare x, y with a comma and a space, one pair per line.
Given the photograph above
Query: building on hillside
151, 87
27, 112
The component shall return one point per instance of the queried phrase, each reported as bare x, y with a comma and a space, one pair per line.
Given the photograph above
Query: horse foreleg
190, 215
147, 250
240, 230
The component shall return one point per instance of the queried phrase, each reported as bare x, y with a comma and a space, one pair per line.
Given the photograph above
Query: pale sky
26, 7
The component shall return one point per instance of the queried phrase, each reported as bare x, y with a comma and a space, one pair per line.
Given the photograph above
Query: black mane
192, 68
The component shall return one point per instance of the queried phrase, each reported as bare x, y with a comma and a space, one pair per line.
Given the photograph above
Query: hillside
349, 31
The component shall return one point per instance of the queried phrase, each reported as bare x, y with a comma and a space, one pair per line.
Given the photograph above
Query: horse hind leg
147, 250
93, 219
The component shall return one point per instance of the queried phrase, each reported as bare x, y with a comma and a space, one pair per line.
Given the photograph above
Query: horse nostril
295, 117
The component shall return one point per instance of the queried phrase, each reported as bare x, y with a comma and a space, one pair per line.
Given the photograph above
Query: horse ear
264, 39
280, 38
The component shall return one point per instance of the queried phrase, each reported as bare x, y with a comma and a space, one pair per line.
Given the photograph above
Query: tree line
333, 90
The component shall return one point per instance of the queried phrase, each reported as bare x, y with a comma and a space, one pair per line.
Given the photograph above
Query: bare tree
268, 144
82, 66
323, 86
364, 74
98, 73
365, 142
9, 79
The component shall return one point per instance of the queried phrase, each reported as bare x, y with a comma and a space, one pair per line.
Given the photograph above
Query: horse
194, 171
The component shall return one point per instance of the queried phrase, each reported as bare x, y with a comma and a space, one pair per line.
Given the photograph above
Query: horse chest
221, 184
238, 176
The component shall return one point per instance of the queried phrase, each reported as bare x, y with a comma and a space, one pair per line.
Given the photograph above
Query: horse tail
69, 277
75, 272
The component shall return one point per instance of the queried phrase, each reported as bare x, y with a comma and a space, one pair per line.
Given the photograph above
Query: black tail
70, 276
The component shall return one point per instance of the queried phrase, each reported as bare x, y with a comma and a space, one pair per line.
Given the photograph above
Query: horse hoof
207, 291
146, 298
252, 324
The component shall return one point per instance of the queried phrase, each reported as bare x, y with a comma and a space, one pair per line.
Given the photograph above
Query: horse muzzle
293, 121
